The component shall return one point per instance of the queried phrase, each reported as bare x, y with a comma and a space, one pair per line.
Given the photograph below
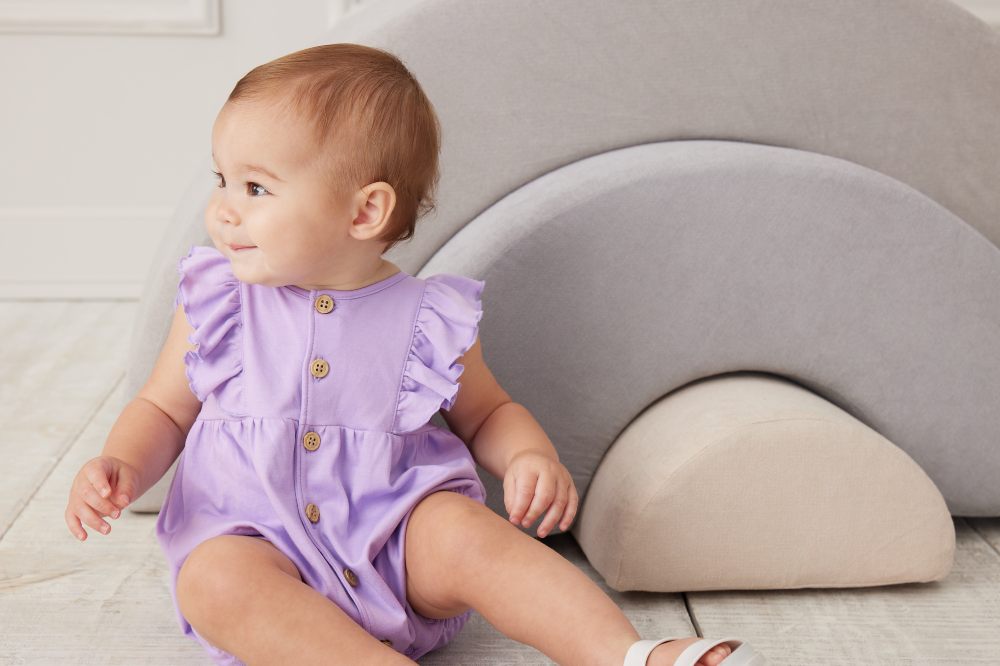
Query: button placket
320, 368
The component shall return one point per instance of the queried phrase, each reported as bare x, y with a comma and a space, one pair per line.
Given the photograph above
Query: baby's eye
250, 187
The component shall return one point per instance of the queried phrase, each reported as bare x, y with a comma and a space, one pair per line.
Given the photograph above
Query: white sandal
742, 653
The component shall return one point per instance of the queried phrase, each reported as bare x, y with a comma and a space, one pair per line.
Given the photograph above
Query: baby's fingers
73, 522
91, 518
559, 503
99, 480
95, 501
545, 492
519, 496
571, 507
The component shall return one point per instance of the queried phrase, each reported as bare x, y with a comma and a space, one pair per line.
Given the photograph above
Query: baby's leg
460, 554
245, 596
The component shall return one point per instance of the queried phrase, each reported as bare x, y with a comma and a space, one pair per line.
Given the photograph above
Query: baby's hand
537, 480
103, 487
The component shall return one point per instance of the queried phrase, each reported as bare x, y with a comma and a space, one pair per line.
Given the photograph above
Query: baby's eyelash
223, 181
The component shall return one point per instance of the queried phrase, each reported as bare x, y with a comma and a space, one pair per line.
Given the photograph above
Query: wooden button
319, 368
324, 304
351, 577
387, 642
311, 440
312, 512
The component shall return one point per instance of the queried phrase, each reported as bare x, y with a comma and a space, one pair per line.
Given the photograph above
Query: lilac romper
314, 432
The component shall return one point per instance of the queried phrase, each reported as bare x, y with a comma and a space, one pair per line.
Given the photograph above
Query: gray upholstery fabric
617, 279
906, 88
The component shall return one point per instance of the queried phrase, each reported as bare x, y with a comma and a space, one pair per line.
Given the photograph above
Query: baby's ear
376, 207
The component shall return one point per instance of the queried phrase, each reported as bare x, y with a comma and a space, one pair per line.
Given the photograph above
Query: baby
315, 515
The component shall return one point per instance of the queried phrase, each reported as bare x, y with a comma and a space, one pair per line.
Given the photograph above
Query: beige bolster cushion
749, 481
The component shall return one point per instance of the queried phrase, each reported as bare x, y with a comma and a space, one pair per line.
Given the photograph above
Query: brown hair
369, 114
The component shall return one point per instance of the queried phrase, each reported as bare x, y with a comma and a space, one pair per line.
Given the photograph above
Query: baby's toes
714, 656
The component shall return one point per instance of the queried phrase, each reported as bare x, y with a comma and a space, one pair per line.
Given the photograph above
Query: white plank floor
106, 600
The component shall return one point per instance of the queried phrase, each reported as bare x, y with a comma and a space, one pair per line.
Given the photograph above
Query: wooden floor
106, 600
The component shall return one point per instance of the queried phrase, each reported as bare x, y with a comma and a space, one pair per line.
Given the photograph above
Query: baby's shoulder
209, 294
449, 292
446, 327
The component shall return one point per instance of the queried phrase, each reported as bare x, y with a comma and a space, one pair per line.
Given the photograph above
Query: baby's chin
251, 276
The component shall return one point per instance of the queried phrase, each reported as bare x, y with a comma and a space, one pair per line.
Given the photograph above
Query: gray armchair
742, 262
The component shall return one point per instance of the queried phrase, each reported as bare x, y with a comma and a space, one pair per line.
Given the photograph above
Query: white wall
102, 125
101, 131
987, 10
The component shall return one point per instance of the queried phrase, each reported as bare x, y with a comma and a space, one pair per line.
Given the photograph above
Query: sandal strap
639, 651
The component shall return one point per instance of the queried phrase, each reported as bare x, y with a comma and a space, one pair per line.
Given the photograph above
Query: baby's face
273, 195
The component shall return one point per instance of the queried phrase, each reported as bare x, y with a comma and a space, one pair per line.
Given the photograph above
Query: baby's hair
371, 115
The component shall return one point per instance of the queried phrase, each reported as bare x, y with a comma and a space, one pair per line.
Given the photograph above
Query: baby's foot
665, 654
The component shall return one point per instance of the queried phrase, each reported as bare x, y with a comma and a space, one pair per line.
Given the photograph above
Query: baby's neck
385, 270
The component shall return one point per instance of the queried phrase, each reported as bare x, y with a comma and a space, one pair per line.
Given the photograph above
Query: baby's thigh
218, 569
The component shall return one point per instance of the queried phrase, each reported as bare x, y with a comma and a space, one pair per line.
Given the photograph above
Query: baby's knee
451, 529
213, 577
444, 520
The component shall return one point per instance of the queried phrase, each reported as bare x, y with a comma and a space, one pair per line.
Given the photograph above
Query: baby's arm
150, 432
494, 427
507, 441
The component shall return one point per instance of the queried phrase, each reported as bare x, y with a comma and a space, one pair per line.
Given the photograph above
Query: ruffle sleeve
210, 294
446, 327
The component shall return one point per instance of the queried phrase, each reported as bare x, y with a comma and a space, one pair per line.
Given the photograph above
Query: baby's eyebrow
257, 168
